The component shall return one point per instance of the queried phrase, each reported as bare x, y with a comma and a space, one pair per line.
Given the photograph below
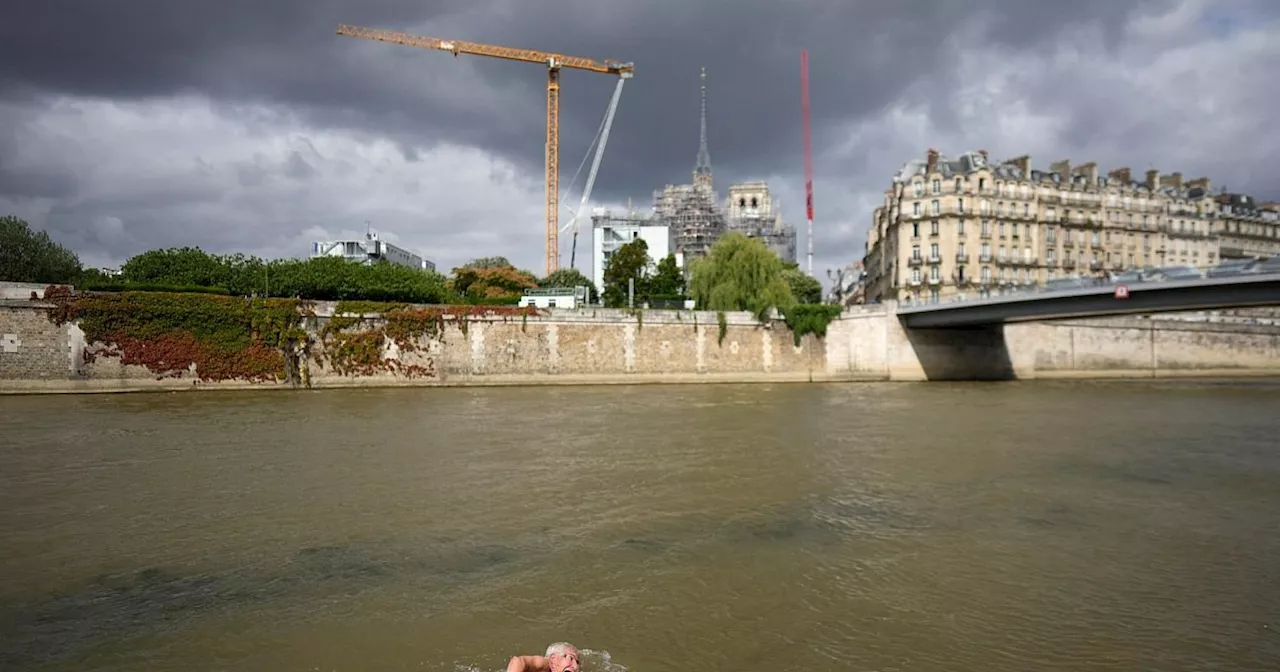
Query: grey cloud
279, 65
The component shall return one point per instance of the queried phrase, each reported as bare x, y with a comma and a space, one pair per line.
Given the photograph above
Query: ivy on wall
224, 337
231, 338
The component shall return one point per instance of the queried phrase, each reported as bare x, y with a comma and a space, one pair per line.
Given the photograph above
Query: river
959, 527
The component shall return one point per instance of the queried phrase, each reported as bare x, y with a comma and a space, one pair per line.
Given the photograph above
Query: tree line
740, 273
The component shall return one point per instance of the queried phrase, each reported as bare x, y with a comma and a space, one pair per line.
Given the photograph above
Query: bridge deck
1100, 301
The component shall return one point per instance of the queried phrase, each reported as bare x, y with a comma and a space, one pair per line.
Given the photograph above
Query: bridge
1098, 301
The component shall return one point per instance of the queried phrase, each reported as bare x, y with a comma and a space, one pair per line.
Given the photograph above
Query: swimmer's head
563, 657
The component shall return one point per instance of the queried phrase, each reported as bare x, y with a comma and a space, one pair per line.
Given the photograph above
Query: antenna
808, 150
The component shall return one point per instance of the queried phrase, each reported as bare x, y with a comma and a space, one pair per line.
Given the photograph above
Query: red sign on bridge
1122, 292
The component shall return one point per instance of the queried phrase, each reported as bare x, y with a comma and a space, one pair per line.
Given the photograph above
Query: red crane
808, 150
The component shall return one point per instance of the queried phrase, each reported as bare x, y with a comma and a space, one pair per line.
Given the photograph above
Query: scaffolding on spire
702, 168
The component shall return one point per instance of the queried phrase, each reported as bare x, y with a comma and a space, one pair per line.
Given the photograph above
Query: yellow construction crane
554, 63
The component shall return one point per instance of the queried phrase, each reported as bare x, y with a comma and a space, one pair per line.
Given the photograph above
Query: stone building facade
966, 226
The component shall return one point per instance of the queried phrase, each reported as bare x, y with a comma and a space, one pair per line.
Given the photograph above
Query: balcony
934, 259
915, 261
984, 258
962, 257
936, 282
1068, 263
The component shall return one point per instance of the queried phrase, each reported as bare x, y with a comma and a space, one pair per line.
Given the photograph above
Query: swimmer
561, 657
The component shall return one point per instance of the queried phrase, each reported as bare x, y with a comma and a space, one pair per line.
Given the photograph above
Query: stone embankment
155, 342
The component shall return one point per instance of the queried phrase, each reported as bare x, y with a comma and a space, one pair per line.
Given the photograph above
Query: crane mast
808, 152
554, 63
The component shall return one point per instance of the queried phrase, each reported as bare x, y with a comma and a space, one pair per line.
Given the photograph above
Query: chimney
1174, 180
1090, 171
1153, 179
1199, 182
1062, 168
983, 152
933, 160
1022, 163
1120, 175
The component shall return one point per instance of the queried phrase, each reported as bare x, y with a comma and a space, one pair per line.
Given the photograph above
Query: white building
368, 251
555, 297
610, 232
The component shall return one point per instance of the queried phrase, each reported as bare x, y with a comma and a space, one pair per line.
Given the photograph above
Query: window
937, 186
986, 228
1002, 229
1050, 213
960, 228
1000, 208
915, 208
962, 252
986, 250
982, 184
915, 276
999, 188
1026, 254
934, 296
933, 252
984, 207
915, 230
1026, 210
917, 188
933, 227
986, 274
934, 274
959, 185
935, 207
915, 251
960, 205
1000, 252
960, 273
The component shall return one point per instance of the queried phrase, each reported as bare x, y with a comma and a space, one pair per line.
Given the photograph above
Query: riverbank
165, 342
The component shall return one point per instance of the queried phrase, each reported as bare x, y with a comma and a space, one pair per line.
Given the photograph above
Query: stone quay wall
599, 346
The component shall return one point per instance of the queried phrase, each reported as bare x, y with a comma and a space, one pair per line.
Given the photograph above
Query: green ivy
810, 318
224, 337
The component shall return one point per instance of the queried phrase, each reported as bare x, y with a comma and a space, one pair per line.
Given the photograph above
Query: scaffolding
691, 213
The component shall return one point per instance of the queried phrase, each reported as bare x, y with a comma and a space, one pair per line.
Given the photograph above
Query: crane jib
554, 63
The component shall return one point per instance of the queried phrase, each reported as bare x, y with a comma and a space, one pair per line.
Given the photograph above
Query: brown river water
961, 527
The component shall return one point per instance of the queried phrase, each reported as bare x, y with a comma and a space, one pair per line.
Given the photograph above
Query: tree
668, 281
627, 263
182, 266
488, 262
27, 256
569, 277
805, 288
491, 278
740, 273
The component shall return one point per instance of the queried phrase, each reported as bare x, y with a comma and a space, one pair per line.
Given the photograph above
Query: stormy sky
249, 125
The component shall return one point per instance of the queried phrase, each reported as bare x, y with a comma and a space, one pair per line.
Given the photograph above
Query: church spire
702, 170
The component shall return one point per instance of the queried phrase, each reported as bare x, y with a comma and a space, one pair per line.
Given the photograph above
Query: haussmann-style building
965, 226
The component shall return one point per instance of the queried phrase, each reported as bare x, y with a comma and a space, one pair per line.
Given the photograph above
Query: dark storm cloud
250, 125
863, 55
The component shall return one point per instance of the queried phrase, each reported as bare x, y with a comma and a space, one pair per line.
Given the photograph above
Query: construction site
686, 219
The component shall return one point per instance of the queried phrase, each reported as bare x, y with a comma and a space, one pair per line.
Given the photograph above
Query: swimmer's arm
527, 664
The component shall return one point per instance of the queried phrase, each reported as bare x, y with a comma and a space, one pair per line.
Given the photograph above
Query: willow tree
740, 273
